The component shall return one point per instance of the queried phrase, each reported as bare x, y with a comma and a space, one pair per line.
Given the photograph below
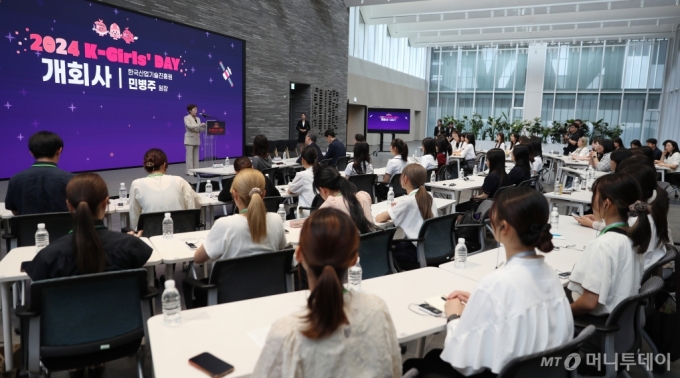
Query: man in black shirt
651, 143
41, 188
240, 164
571, 139
310, 140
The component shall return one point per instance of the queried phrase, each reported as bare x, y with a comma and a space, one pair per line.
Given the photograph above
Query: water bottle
300, 213
42, 238
354, 276
282, 213
226, 162
122, 193
390, 195
461, 254
208, 188
576, 185
554, 218
590, 175
168, 227
171, 305
474, 170
461, 174
433, 177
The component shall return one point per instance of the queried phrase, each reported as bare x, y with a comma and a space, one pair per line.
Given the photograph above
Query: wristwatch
452, 317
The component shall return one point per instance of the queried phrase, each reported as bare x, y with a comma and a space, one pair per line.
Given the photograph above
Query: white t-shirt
609, 268
654, 252
673, 159
368, 169
581, 152
537, 165
468, 152
230, 237
405, 214
302, 185
395, 166
501, 146
516, 310
156, 193
429, 162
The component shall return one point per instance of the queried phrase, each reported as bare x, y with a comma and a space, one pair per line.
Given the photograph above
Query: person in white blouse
340, 333
399, 150
252, 231
537, 164
500, 141
468, 150
518, 309
581, 152
362, 161
670, 157
303, 183
514, 140
159, 192
429, 159
456, 140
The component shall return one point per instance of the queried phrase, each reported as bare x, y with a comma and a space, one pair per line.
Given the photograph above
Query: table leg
169, 271
663, 175
212, 217
198, 181
420, 347
6, 325
150, 282
458, 162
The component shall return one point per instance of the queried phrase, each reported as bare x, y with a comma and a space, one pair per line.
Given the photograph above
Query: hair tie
149, 164
638, 207
537, 228
255, 190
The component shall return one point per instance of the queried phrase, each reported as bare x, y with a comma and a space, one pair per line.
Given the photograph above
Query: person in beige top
192, 137
338, 193
340, 333
159, 192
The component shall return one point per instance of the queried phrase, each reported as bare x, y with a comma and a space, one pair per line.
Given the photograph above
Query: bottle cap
167, 215
122, 183
170, 284
41, 225
461, 240
280, 206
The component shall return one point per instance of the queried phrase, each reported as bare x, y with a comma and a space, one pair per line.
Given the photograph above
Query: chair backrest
365, 183
272, 148
272, 203
80, 310
528, 183
533, 366
201, 187
24, 226
342, 163
251, 276
281, 146
438, 241
292, 147
480, 160
671, 254
503, 188
271, 173
395, 184
429, 174
375, 253
483, 209
182, 221
324, 162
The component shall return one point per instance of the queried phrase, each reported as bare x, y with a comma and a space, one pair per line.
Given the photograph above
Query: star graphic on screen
192, 70
179, 96
7, 105
115, 11
52, 29
55, 21
72, 107
23, 92
165, 53
35, 123
101, 106
37, 53
210, 80
10, 37
154, 117
225, 113
210, 55
232, 45
21, 137
207, 34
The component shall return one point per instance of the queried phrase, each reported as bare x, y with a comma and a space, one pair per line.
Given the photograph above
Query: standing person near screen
42, 187
302, 129
192, 136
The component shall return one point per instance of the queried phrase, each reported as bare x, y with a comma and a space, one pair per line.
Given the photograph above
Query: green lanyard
613, 225
413, 193
156, 174
243, 211
98, 227
44, 165
339, 195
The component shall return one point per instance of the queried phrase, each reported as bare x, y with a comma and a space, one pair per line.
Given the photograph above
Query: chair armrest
469, 225
26, 312
411, 240
151, 292
308, 208
598, 328
196, 284
8, 236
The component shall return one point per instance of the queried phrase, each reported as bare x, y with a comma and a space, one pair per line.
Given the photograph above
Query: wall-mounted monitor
383, 120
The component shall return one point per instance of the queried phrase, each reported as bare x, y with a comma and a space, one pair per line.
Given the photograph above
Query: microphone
205, 115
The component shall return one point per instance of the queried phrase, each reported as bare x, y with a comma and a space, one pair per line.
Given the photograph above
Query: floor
126, 367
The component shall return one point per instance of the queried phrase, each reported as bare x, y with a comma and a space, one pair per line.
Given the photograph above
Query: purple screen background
402, 123
105, 128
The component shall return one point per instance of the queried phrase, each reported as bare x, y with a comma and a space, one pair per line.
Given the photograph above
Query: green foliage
533, 127
476, 125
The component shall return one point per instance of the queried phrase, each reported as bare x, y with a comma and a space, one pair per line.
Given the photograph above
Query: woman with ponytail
338, 193
90, 247
341, 333
302, 184
490, 327
409, 212
253, 230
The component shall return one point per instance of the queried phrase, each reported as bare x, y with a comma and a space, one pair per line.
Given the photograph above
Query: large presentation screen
382, 120
112, 83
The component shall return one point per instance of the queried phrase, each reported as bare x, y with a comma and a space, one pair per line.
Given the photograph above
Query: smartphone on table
211, 365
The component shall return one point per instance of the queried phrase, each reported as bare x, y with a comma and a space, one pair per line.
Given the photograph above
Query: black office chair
281, 147
375, 251
272, 148
272, 203
364, 183
474, 231
533, 365
342, 163
182, 221
316, 203
271, 173
436, 242
324, 162
293, 146
430, 172
80, 321
395, 184
530, 183
674, 180
23, 228
241, 278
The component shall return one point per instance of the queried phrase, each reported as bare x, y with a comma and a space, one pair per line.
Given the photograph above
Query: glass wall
373, 43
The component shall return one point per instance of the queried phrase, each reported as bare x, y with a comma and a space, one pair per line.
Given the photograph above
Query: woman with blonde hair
253, 230
581, 152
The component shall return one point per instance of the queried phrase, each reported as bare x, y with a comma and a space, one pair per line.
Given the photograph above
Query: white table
444, 188
575, 199
224, 330
10, 272
222, 172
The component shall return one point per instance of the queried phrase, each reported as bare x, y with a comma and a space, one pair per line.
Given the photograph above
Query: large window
373, 43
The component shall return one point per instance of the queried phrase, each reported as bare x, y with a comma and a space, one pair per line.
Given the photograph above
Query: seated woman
581, 152
601, 154
253, 230
339, 193
618, 144
456, 140
486, 329
362, 161
522, 169
468, 151
537, 164
670, 157
159, 192
303, 183
500, 141
444, 150
399, 150
514, 140
91, 247
429, 158
409, 212
617, 156
241, 163
341, 333
261, 159
635, 143
495, 161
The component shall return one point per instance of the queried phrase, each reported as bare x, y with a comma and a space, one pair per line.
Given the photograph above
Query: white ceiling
482, 22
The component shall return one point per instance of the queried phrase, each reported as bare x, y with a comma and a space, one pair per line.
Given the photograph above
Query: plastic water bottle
576, 185
554, 218
171, 305
461, 174
226, 162
354, 276
461, 254
282, 213
168, 227
42, 237
390, 195
208, 189
433, 177
474, 170
122, 193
